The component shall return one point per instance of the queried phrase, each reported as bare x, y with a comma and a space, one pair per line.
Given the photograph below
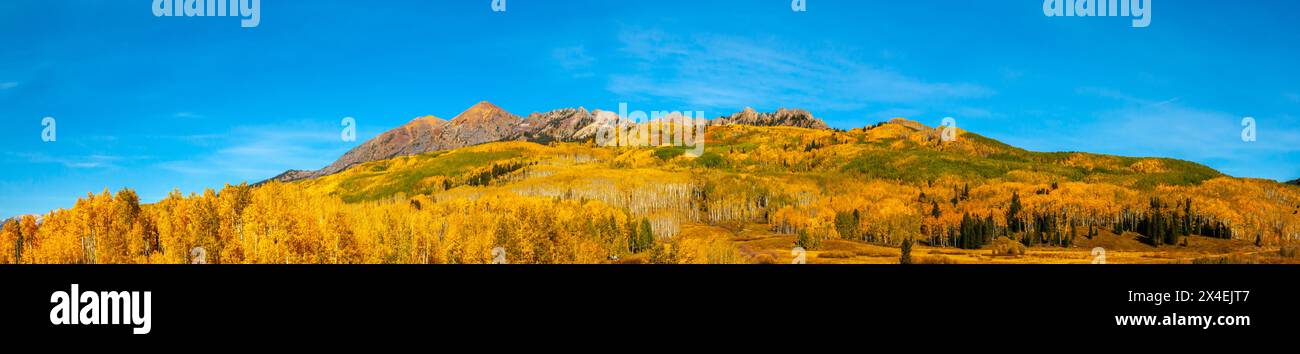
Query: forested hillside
885, 193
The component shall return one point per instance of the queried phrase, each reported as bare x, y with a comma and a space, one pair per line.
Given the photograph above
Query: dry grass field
758, 245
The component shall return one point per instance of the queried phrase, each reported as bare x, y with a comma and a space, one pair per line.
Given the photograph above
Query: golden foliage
269, 224
577, 203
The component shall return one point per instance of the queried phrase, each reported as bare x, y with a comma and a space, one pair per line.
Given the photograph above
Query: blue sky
156, 103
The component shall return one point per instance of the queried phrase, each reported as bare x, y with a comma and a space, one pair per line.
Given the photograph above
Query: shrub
663, 253
935, 260
807, 240
669, 153
1289, 251
711, 160
837, 254
1229, 259
1003, 246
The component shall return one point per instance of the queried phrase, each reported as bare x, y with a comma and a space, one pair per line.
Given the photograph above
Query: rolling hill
769, 188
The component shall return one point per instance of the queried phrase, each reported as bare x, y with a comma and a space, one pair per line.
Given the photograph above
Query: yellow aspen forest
272, 224
888, 193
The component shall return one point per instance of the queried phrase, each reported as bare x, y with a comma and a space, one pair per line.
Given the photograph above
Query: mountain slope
766, 184
485, 123
412, 138
900, 150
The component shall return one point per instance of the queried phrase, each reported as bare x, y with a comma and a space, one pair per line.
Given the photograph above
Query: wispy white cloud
254, 153
715, 70
196, 139
187, 115
574, 59
8, 85
94, 161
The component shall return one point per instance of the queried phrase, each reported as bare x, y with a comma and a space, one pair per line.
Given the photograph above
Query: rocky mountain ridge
485, 122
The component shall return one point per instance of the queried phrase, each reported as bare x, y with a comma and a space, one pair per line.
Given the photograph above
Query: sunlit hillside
889, 193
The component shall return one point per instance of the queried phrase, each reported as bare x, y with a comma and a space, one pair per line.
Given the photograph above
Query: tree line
283, 223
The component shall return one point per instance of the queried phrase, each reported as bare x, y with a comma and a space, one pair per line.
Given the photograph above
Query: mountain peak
483, 108
484, 115
428, 120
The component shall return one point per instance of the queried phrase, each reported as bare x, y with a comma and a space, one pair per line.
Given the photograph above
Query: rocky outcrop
782, 117
563, 125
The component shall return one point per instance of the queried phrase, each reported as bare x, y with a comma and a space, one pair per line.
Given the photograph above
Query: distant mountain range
485, 123
1295, 182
